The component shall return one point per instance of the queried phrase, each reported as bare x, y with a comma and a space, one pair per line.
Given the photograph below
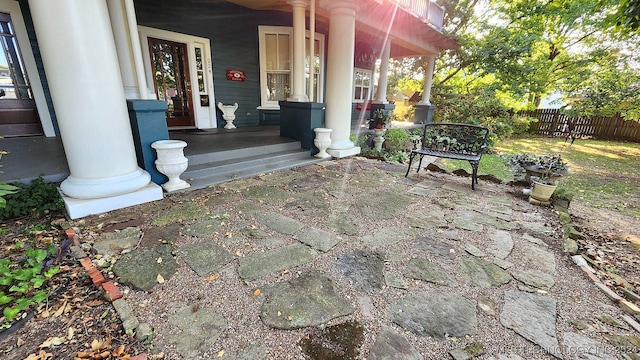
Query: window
276, 54
361, 85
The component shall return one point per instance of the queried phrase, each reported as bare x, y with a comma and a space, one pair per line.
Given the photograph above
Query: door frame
12, 8
205, 116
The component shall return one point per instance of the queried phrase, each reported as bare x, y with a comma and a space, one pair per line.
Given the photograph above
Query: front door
171, 80
18, 113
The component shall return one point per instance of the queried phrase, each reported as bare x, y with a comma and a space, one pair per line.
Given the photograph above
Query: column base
341, 153
77, 208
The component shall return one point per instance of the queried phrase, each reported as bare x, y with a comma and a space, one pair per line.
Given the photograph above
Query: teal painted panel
233, 31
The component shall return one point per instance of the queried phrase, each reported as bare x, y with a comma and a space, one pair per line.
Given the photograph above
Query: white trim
12, 8
205, 116
264, 29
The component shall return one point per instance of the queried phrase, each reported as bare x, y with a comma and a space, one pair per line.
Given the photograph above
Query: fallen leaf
256, 292
42, 355
70, 333
60, 310
159, 260
220, 353
119, 351
95, 344
160, 279
213, 277
20, 342
52, 341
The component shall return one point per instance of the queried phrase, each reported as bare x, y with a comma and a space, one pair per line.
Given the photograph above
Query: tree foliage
523, 50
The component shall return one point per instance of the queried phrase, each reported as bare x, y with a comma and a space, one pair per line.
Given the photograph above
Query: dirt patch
611, 240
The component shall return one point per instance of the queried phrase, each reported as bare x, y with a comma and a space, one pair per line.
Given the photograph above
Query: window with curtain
276, 54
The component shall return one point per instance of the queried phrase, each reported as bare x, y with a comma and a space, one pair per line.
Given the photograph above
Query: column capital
298, 3
340, 5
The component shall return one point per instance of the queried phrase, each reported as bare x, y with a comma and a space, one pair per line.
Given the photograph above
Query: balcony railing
427, 10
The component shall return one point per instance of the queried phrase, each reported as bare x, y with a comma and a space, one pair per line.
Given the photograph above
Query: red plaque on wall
235, 75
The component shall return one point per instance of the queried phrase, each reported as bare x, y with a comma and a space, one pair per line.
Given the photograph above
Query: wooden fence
552, 121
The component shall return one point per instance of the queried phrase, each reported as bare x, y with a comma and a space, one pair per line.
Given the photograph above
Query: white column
81, 64
117, 15
428, 81
342, 19
312, 49
381, 94
125, 34
299, 27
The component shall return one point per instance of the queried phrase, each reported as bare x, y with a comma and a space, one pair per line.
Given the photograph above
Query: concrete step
197, 159
236, 166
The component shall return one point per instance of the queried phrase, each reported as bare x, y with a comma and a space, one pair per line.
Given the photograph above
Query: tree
522, 50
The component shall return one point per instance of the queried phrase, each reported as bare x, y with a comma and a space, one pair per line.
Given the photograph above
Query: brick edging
109, 289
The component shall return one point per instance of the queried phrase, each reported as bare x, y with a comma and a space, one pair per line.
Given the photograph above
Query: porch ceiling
410, 36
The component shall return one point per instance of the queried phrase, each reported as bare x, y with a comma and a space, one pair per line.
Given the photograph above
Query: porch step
215, 168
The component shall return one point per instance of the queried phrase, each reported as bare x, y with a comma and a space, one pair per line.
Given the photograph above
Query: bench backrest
455, 138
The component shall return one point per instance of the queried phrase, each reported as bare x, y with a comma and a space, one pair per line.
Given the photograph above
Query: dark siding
28, 21
233, 32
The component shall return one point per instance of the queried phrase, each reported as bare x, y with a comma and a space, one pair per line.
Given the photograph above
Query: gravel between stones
346, 186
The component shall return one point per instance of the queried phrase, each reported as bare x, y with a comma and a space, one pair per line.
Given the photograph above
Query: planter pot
542, 192
228, 114
171, 162
322, 142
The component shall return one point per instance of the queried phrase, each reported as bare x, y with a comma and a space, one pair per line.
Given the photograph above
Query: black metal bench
452, 141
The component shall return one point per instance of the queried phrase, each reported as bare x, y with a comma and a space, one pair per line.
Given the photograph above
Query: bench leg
474, 173
411, 156
419, 164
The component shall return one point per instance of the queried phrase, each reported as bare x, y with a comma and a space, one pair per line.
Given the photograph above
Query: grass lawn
603, 174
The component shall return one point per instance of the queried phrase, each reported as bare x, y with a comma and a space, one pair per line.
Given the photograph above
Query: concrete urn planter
228, 114
171, 162
322, 142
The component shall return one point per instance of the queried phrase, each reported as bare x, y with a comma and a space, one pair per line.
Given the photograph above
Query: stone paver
257, 265
140, 268
309, 300
318, 239
197, 330
205, 257
533, 317
390, 345
280, 223
435, 314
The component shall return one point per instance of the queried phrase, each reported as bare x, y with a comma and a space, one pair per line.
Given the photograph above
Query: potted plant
541, 171
380, 120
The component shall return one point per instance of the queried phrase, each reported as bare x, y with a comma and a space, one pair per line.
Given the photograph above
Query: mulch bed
75, 321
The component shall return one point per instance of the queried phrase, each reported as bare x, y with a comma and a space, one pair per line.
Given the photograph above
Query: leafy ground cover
603, 174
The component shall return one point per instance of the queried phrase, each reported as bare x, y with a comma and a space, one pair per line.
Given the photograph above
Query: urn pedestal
378, 140
171, 162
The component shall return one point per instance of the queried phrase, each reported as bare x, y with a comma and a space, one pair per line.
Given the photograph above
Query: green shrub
482, 108
396, 140
36, 199
6, 189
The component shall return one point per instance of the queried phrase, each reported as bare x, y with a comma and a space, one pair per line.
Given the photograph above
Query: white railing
426, 10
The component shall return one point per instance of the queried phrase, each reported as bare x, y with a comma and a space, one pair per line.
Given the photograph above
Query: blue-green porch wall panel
233, 32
